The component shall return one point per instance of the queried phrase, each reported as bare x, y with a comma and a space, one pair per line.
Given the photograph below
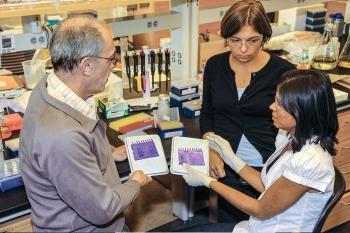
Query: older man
67, 166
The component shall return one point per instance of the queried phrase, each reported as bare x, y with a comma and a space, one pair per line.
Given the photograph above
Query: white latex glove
223, 147
196, 178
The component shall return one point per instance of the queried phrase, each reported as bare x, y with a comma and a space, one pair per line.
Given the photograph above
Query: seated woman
297, 180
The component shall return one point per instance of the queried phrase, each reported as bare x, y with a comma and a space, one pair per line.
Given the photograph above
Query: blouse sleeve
310, 167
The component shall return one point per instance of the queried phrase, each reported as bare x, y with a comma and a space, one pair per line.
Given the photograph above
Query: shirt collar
86, 122
60, 91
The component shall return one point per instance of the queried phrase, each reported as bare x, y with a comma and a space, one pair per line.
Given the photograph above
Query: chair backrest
339, 188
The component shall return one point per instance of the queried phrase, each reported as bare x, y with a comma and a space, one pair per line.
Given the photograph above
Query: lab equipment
177, 101
113, 108
315, 20
170, 129
338, 27
344, 57
153, 65
33, 70
11, 122
10, 175
12, 146
11, 87
163, 107
2, 113
185, 87
167, 68
136, 81
192, 108
160, 62
127, 68
142, 58
325, 55
143, 71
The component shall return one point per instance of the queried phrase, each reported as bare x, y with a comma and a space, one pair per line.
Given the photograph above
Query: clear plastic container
33, 72
163, 106
172, 116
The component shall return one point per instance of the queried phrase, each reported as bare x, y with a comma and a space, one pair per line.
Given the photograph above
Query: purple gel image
144, 149
191, 156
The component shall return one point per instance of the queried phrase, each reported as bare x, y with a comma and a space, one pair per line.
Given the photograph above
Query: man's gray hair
74, 39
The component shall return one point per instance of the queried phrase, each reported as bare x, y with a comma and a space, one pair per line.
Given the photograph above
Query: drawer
344, 127
343, 153
339, 214
345, 171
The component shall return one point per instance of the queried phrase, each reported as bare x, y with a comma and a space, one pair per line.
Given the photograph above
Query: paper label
173, 134
188, 91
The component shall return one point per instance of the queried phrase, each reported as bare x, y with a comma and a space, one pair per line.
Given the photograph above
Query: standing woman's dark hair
246, 12
308, 96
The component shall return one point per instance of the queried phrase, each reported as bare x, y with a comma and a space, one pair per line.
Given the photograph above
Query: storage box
10, 176
12, 146
184, 87
113, 109
170, 129
192, 108
172, 116
315, 21
124, 122
316, 13
318, 28
177, 101
139, 125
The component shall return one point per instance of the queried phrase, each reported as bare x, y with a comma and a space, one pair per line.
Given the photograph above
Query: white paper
190, 144
150, 166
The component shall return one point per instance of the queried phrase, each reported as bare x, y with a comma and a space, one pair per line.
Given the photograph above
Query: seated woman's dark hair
308, 96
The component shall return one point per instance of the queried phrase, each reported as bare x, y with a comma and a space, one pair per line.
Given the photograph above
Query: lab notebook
146, 153
192, 151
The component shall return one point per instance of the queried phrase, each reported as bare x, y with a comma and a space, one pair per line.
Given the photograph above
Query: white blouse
312, 167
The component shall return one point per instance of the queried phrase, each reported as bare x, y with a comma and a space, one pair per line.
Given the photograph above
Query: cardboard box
113, 109
177, 101
192, 108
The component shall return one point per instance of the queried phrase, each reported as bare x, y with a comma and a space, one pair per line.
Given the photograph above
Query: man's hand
224, 148
216, 165
196, 178
119, 154
140, 177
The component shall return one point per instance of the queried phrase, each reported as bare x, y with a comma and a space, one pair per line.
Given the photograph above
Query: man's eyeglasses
114, 58
250, 42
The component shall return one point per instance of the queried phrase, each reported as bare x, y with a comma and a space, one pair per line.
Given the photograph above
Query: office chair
339, 188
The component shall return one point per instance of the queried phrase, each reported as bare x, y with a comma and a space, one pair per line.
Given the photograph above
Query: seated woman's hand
196, 178
216, 165
223, 147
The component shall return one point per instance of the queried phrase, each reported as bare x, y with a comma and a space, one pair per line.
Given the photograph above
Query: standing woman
238, 87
